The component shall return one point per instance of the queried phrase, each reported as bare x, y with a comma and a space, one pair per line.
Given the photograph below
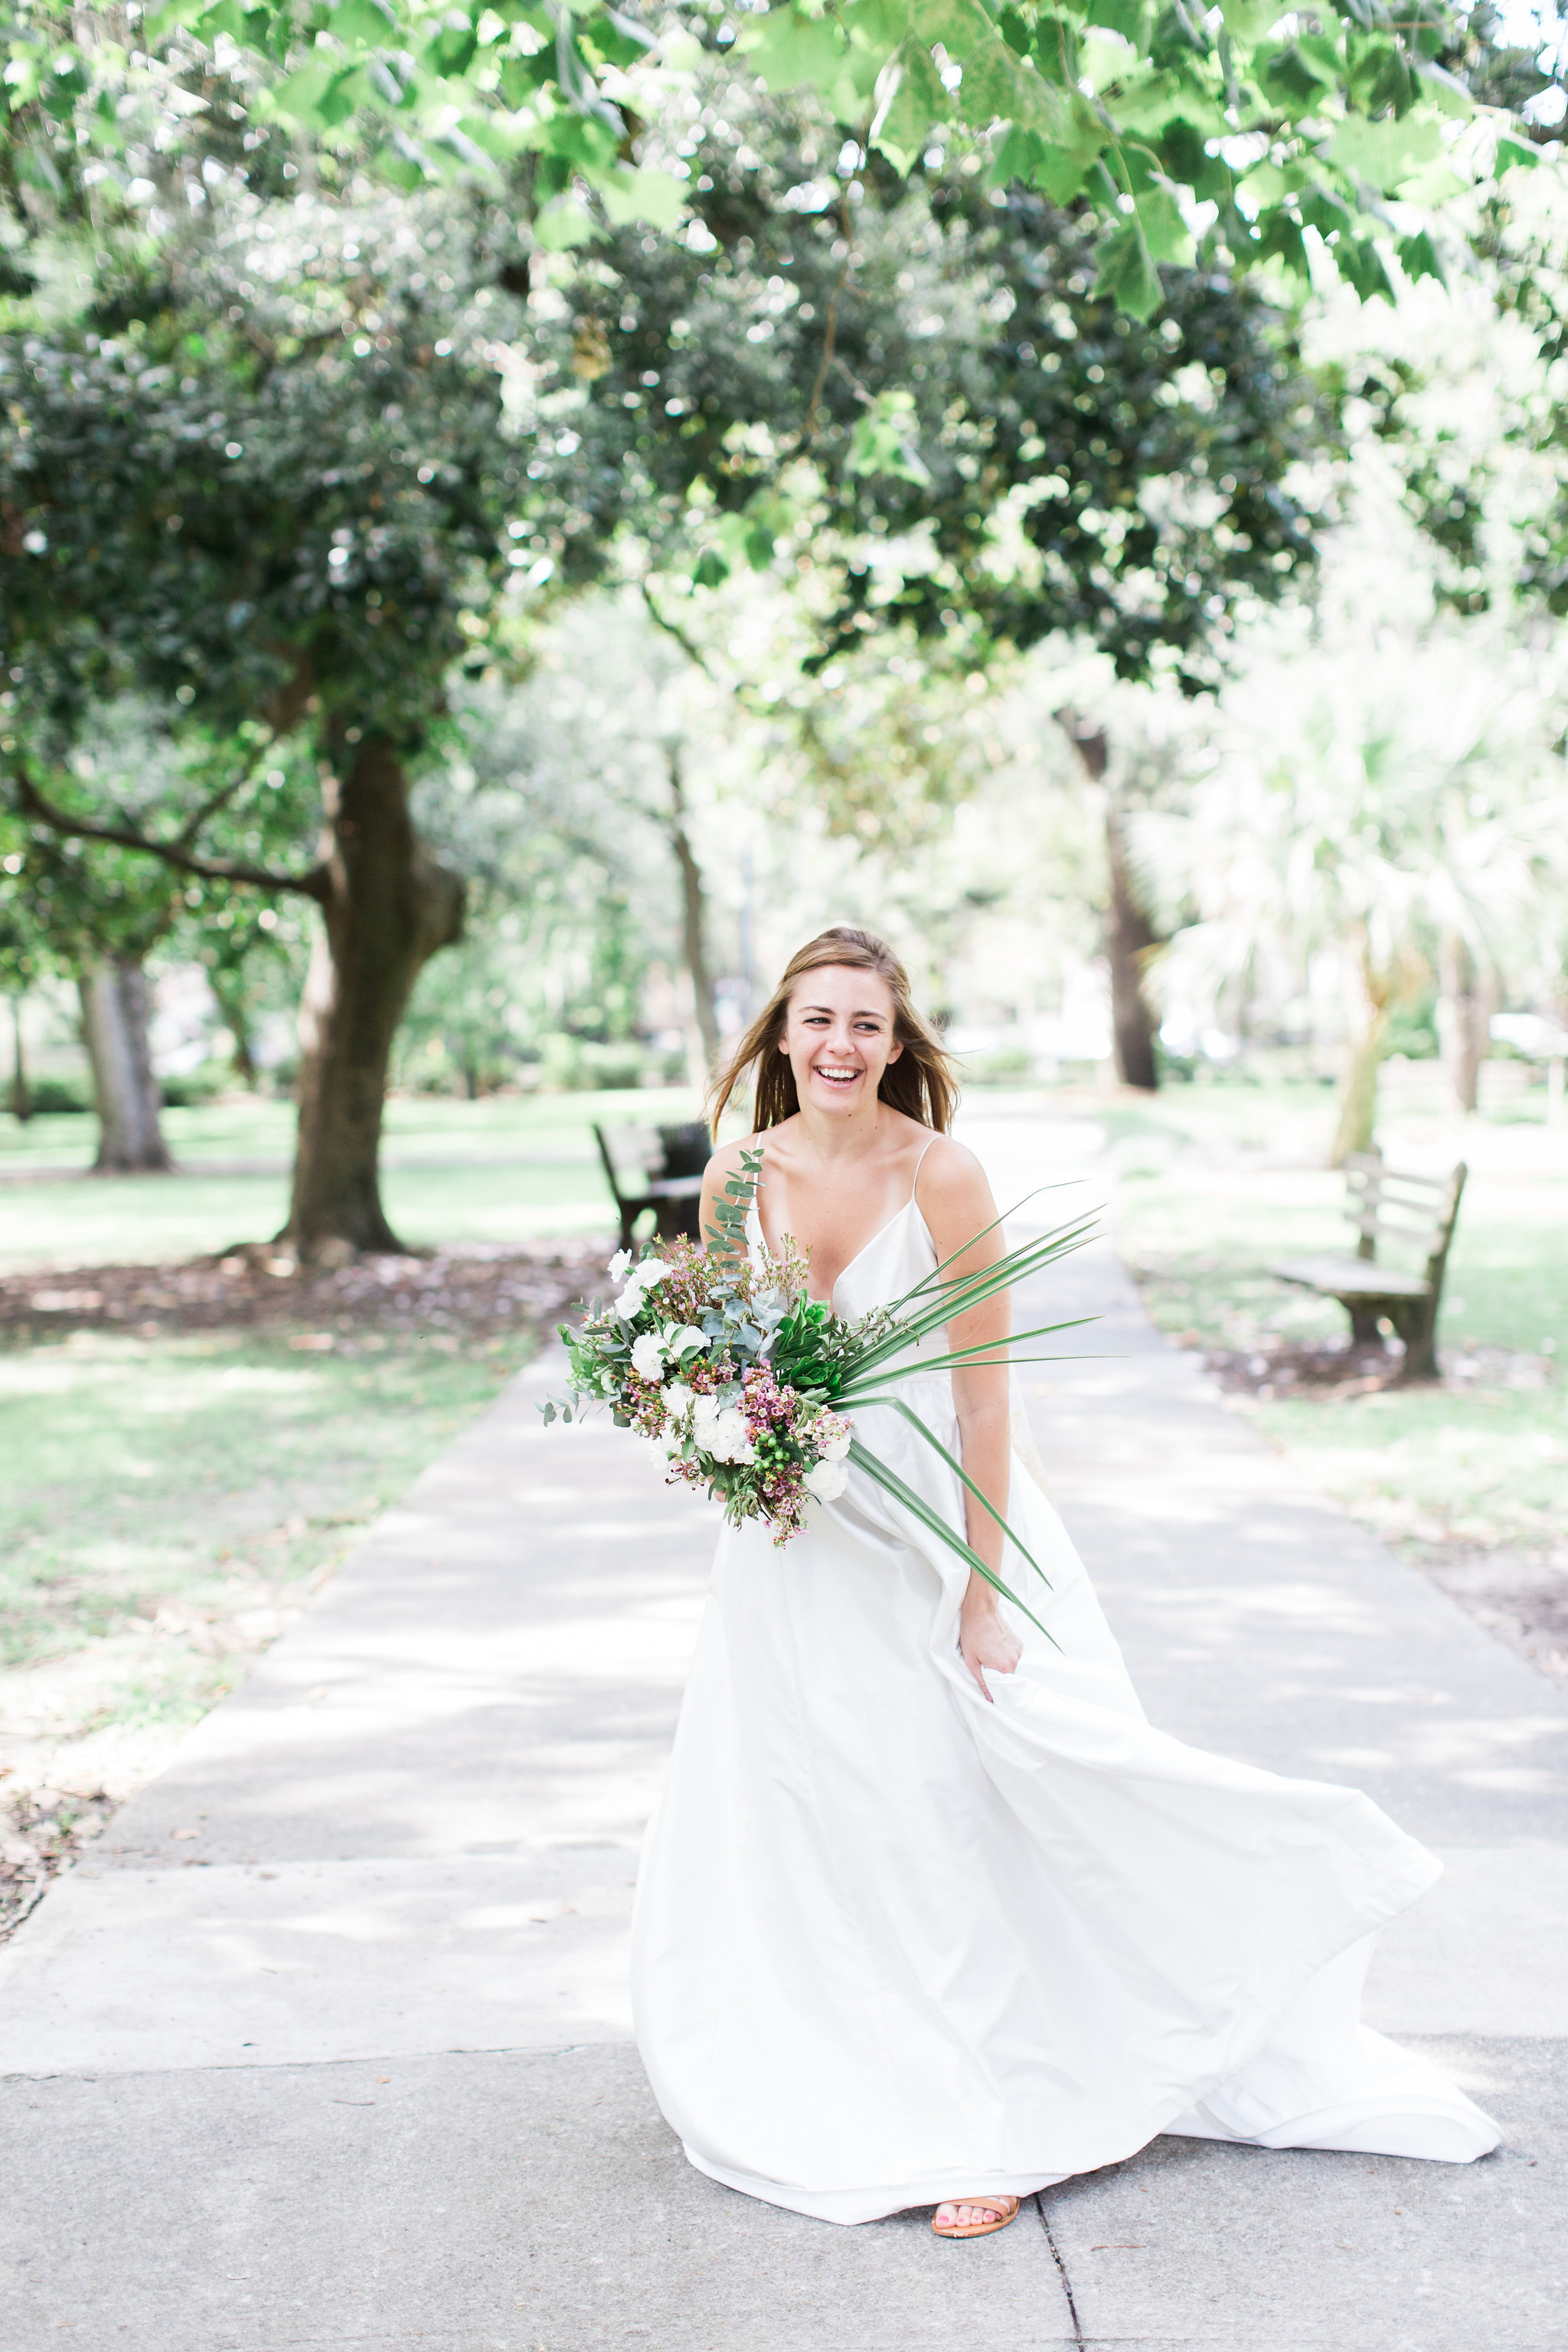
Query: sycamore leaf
960, 26
1361, 265
1127, 271
1384, 153
1059, 174
1166, 236
362, 24
791, 52
1515, 154
910, 97
995, 87
651, 196
563, 223
1419, 258
882, 440
298, 95
401, 162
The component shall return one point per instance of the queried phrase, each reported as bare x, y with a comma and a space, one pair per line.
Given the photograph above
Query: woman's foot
975, 2217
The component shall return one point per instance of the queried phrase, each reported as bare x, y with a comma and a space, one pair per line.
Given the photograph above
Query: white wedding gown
893, 1945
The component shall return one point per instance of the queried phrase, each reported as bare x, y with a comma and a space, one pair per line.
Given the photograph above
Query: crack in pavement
1061, 2271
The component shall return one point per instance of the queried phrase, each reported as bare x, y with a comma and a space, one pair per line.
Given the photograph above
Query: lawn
506, 1168
1216, 1184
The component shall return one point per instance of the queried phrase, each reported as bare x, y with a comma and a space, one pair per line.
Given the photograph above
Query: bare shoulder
726, 1160
952, 1184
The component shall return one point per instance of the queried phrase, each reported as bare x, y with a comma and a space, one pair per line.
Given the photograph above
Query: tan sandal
1006, 2210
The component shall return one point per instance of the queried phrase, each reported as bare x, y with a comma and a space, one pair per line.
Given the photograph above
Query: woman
928, 1913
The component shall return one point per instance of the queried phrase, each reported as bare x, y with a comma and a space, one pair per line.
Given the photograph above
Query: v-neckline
851, 1264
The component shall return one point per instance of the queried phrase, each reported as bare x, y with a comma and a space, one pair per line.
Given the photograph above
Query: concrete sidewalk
350, 2064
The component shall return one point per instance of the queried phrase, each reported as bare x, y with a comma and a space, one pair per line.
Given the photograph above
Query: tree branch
220, 799
689, 645
830, 317
313, 884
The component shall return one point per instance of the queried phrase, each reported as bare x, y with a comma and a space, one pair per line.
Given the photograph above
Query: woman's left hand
987, 1643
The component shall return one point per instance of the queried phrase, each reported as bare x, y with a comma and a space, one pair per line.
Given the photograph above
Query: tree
270, 487
25, 957
928, 421
1222, 139
104, 910
1370, 800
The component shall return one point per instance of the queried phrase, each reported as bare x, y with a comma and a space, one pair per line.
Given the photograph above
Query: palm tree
1371, 802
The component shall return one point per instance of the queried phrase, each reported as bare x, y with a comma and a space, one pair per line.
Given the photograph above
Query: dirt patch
453, 1294
40, 1831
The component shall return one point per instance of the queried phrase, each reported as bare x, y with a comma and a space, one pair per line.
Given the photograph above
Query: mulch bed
1322, 1372
483, 1291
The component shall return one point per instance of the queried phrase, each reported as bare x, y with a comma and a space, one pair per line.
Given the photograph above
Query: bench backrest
633, 1157
1386, 1205
687, 1148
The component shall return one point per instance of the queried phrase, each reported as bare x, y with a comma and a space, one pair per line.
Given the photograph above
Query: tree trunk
114, 1023
1357, 1094
21, 1094
227, 985
387, 905
1129, 934
694, 920
1466, 1002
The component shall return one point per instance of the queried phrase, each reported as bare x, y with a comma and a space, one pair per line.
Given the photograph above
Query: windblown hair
922, 1082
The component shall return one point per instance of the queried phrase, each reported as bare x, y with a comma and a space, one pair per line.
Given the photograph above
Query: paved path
328, 2047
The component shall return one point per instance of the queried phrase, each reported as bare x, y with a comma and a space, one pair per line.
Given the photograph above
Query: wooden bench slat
1351, 1278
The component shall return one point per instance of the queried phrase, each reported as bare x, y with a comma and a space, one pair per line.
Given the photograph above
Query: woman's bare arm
956, 1202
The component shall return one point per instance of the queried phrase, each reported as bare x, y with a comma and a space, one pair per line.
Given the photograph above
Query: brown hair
922, 1082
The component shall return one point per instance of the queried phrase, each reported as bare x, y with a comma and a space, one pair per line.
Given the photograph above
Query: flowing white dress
893, 1945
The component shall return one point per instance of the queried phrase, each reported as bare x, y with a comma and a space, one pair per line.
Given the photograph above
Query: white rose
647, 1356
651, 1270
677, 1398
704, 1415
834, 1447
827, 1480
619, 1263
731, 1437
629, 1303
682, 1339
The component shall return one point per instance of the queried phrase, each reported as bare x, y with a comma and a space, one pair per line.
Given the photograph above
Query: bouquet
748, 1387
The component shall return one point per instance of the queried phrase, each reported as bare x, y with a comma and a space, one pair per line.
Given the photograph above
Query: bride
929, 1912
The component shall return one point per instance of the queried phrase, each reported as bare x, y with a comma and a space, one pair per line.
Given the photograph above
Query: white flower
677, 1398
827, 1480
721, 1430
619, 1263
731, 1437
647, 1356
629, 1303
704, 1419
651, 1270
834, 1444
682, 1339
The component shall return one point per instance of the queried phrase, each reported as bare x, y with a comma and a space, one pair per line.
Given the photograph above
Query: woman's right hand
986, 1641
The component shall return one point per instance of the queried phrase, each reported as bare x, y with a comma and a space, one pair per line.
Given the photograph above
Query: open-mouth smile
841, 1078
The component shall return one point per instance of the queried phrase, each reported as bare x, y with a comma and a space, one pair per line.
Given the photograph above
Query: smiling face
838, 1036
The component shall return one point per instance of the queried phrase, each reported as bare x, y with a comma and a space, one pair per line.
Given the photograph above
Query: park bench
657, 1168
1384, 1206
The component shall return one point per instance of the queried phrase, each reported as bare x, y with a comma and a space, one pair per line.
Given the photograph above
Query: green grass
165, 1505
505, 1169
1203, 1208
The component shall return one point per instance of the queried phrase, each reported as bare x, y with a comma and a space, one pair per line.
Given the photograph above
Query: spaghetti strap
921, 1165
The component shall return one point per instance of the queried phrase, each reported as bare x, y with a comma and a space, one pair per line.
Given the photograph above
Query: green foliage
995, 453
726, 1236
1186, 136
